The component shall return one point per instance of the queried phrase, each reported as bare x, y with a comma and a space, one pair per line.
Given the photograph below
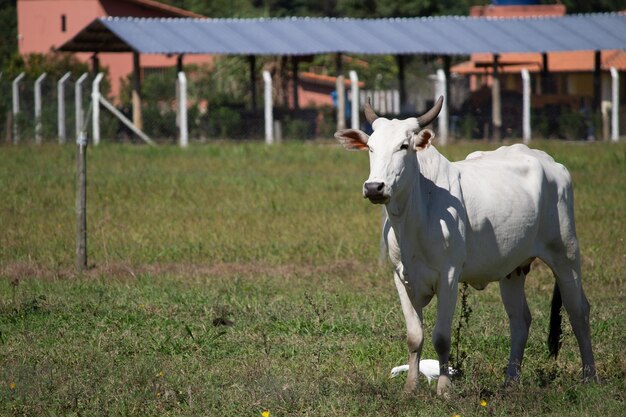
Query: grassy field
229, 279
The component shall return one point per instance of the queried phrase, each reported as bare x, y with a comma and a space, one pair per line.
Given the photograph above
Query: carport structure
444, 36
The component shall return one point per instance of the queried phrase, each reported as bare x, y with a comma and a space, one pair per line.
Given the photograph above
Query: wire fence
44, 109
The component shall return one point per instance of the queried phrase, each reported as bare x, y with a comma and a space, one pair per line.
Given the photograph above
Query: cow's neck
408, 212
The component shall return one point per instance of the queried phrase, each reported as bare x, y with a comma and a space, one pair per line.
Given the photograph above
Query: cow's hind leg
566, 270
514, 300
415, 333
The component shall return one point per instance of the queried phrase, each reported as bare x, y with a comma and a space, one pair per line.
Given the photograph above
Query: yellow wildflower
265, 413
159, 375
483, 403
12, 385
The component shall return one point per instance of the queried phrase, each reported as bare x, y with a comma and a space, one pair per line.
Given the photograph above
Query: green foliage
8, 32
571, 124
468, 126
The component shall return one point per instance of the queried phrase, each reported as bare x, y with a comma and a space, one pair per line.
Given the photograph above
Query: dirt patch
124, 270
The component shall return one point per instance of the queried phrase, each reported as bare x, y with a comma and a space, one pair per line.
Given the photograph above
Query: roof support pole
496, 109
95, 63
597, 81
341, 96
294, 76
525, 106
252, 70
136, 95
179, 63
401, 81
545, 74
614, 105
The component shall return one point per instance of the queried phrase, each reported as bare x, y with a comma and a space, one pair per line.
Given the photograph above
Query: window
63, 23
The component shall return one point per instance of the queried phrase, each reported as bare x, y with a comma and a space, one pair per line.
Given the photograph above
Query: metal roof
446, 35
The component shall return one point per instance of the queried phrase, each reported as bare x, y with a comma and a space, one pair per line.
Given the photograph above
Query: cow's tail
554, 333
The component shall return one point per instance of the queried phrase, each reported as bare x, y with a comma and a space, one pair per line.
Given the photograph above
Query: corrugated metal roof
450, 35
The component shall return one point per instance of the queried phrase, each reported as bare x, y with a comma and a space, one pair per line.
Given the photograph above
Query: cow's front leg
415, 332
446, 302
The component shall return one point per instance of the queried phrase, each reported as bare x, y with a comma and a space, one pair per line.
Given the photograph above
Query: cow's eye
404, 146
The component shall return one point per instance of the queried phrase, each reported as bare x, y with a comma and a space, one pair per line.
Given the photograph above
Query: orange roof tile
166, 8
324, 79
518, 10
577, 61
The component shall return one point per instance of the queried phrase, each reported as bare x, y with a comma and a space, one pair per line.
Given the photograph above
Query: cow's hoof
410, 387
443, 386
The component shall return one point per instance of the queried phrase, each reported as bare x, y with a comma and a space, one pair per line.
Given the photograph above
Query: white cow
480, 220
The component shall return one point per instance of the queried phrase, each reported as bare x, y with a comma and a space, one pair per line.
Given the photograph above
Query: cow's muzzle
375, 192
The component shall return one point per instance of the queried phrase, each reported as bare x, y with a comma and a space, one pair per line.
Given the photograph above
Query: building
558, 78
43, 25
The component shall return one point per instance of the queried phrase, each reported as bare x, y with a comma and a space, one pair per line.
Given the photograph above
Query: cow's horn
369, 113
431, 114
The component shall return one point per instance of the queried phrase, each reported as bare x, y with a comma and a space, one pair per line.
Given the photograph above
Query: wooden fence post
81, 202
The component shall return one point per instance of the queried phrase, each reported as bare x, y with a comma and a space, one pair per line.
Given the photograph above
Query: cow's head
392, 149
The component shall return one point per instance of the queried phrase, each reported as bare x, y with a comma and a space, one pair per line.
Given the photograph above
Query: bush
468, 127
571, 125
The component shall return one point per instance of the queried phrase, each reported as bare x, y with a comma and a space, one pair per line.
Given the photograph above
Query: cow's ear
352, 139
423, 139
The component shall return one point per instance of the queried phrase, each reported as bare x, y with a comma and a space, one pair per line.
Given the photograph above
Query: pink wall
39, 31
39, 22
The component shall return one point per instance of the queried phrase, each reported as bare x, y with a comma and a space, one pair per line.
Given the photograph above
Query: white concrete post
38, 82
340, 88
78, 103
525, 106
95, 99
440, 90
182, 109
61, 107
269, 111
614, 105
16, 106
354, 90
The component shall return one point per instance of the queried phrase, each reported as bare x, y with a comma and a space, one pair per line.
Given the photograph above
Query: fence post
340, 88
354, 86
95, 99
440, 90
78, 103
526, 106
81, 202
614, 105
16, 106
38, 82
269, 112
61, 107
182, 109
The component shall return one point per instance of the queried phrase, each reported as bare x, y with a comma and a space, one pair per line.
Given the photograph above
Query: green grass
276, 243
